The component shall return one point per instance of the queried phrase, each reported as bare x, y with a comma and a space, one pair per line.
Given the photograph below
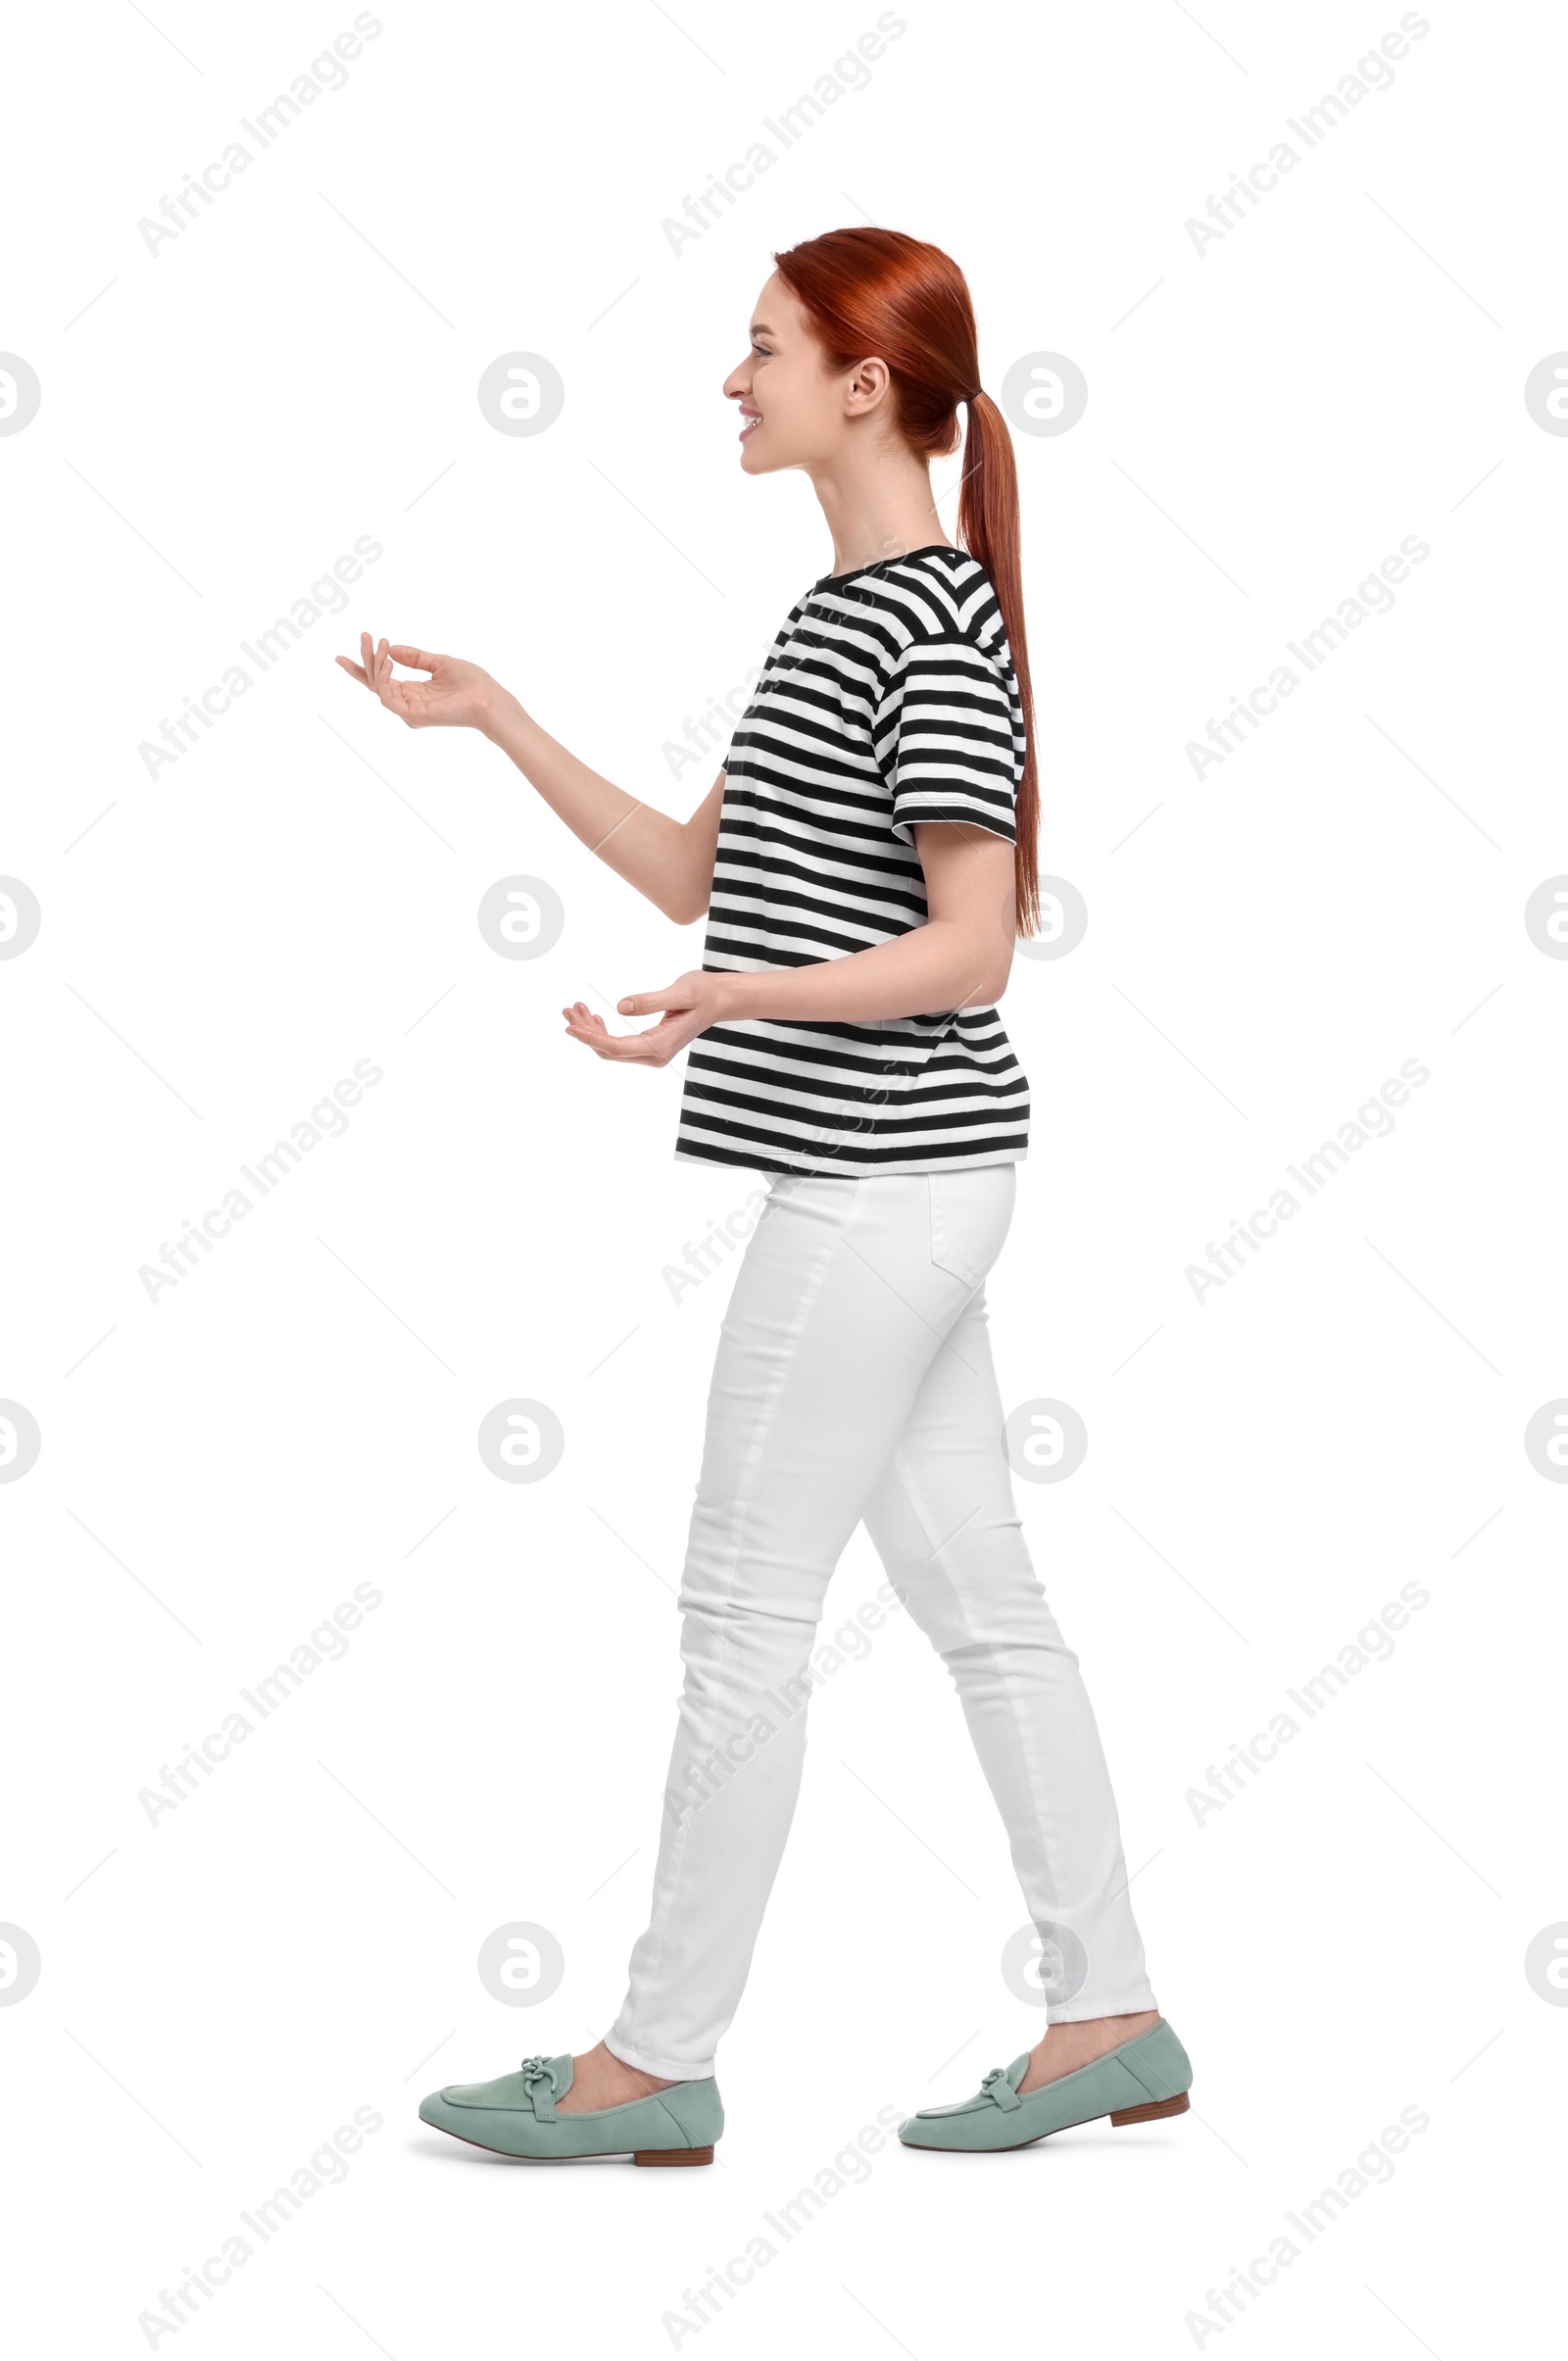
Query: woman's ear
868, 385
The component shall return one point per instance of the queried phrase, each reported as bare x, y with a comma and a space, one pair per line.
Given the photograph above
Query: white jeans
853, 1380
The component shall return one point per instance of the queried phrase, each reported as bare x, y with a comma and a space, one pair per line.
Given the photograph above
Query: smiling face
795, 412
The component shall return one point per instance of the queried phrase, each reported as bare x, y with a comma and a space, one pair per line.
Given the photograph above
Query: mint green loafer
516, 2116
1145, 2079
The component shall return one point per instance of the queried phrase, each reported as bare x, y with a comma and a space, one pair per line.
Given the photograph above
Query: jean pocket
969, 1216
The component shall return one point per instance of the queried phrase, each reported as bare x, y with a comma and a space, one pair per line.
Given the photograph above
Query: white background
1266, 421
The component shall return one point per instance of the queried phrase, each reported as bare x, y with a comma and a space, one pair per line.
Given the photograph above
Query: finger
605, 1045
647, 1044
591, 1030
349, 666
414, 658
595, 1028
645, 1004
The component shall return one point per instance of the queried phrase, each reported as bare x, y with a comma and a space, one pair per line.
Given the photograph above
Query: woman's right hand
460, 695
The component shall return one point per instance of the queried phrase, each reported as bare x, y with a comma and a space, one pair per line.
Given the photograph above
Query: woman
866, 859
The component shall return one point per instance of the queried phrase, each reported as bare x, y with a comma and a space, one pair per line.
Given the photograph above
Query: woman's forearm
653, 851
940, 966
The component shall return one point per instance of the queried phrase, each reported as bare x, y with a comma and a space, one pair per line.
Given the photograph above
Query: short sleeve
948, 738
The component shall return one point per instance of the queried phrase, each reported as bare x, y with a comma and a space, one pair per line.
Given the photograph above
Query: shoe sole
589, 2156
1152, 2112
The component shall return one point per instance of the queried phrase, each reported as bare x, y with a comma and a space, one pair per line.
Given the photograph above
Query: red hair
876, 291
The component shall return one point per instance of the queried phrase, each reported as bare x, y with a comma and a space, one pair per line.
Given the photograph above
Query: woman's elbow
991, 972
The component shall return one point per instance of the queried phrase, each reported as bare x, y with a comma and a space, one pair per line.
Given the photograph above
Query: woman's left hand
690, 1005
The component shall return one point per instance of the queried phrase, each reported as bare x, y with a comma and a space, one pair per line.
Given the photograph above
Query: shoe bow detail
539, 2088
996, 2086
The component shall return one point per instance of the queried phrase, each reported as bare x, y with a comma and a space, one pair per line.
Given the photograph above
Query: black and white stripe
888, 698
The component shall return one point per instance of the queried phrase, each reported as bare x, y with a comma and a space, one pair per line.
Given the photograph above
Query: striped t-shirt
888, 698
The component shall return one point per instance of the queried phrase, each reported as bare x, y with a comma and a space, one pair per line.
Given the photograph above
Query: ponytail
877, 291
988, 526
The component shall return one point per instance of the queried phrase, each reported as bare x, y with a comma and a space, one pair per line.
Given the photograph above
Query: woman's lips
754, 420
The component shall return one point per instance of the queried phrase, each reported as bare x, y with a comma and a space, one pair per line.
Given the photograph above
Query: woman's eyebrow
759, 327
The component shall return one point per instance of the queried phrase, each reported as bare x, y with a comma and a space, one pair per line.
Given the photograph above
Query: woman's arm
669, 861
960, 958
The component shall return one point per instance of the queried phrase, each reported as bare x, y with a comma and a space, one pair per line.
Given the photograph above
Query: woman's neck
878, 509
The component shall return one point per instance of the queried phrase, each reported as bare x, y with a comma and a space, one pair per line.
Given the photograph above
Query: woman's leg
945, 1525
842, 1306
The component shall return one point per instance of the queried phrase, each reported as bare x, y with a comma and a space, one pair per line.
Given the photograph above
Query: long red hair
877, 292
